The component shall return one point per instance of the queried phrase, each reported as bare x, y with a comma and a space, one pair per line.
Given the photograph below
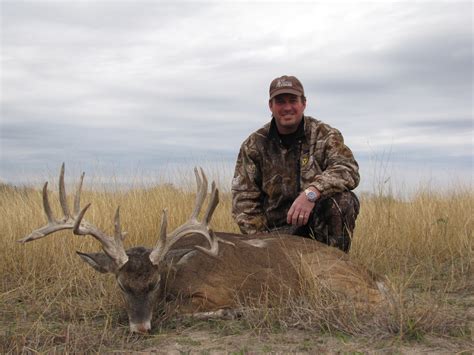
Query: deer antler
165, 242
113, 247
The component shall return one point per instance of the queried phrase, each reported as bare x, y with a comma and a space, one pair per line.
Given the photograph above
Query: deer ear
99, 261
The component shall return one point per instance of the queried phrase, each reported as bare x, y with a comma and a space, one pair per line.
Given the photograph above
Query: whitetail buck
209, 281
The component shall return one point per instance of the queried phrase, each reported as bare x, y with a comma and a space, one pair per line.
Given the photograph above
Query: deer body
198, 280
271, 263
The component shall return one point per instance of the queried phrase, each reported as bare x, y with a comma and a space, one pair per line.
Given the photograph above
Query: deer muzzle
140, 327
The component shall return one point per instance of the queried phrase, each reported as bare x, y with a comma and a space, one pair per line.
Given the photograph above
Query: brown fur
243, 271
196, 282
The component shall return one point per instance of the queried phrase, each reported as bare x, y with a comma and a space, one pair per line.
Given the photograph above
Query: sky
143, 90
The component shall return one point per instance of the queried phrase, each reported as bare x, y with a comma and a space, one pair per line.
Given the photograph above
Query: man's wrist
315, 189
312, 194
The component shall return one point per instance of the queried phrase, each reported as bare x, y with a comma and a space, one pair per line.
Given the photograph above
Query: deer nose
140, 327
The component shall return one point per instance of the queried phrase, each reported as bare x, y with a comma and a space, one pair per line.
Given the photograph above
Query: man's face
288, 111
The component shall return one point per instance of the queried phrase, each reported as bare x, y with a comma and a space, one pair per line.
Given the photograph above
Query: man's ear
99, 261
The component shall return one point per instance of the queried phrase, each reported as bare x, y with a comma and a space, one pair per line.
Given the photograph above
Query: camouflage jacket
269, 176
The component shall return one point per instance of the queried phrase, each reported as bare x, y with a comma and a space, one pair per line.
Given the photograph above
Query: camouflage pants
332, 221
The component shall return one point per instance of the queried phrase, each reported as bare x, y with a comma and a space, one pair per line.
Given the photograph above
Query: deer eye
153, 286
122, 287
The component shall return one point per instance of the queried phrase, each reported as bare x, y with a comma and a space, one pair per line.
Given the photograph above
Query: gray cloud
88, 23
454, 125
155, 83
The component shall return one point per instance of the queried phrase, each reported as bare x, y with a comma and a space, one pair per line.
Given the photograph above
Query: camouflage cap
286, 85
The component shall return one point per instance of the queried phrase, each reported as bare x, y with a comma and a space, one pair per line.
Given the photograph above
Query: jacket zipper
298, 169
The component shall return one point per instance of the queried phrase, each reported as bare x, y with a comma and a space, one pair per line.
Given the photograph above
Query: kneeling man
295, 174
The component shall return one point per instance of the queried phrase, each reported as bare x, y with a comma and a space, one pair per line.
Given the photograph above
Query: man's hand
299, 212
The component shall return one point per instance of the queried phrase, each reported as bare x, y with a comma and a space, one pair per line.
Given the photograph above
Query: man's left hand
299, 212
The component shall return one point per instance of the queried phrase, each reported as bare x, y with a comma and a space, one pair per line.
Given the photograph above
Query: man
294, 175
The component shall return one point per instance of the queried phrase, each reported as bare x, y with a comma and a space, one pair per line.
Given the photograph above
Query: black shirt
287, 140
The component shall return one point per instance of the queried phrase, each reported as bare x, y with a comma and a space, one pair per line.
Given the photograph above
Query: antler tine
166, 242
46, 205
62, 193
77, 197
164, 226
113, 247
201, 192
214, 201
119, 236
76, 227
214, 242
121, 256
192, 225
161, 247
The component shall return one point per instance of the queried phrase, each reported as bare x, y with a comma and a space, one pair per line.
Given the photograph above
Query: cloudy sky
141, 88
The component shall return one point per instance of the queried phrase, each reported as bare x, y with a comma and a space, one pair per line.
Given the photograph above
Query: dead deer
208, 281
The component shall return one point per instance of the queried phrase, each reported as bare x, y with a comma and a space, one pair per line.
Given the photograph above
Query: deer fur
208, 282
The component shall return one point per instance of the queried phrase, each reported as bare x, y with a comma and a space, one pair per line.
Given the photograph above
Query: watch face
311, 196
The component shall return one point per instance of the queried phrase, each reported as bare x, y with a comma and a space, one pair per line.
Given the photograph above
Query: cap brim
286, 91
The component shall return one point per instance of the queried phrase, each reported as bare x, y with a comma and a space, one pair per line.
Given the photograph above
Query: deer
205, 273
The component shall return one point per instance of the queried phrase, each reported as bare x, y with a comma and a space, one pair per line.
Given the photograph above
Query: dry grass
50, 301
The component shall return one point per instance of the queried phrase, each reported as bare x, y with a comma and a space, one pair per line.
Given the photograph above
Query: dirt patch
231, 337
295, 341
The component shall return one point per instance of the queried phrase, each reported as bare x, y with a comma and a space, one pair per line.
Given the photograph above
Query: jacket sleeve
340, 169
247, 197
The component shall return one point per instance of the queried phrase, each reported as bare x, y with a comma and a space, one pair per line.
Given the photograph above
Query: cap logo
281, 83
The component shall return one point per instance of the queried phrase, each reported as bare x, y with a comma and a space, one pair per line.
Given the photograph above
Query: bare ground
227, 337
189, 336
296, 341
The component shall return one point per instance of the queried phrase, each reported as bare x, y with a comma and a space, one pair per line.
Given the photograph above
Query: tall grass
430, 236
51, 301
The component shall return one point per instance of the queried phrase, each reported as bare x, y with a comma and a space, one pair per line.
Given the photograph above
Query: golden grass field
50, 301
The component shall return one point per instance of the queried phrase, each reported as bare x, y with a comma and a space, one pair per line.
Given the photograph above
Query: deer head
137, 270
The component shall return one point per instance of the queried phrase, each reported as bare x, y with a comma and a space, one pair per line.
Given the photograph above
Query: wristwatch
311, 195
